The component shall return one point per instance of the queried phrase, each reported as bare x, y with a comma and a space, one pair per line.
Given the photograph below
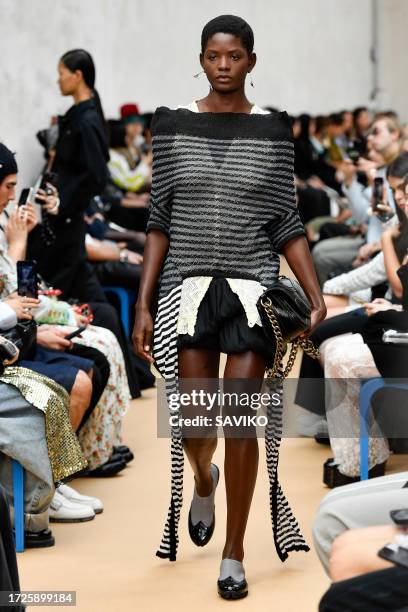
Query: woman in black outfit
80, 161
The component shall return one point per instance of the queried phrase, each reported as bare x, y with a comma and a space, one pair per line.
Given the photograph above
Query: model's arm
156, 247
297, 254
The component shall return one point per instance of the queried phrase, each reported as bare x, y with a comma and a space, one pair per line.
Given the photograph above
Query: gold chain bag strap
285, 314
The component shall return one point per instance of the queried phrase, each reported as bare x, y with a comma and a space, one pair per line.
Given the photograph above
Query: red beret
127, 110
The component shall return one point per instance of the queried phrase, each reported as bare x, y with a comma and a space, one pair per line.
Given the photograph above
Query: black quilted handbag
24, 337
285, 314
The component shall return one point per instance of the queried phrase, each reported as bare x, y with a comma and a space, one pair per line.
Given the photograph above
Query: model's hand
317, 315
143, 333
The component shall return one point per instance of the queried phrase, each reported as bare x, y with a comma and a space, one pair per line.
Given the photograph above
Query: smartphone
23, 196
27, 195
47, 177
378, 193
27, 280
395, 554
76, 333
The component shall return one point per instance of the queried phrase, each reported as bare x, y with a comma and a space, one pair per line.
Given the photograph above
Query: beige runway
110, 562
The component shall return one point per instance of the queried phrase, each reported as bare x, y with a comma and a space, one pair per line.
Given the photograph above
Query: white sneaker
62, 510
82, 500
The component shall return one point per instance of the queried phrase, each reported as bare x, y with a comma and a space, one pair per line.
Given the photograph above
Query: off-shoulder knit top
223, 191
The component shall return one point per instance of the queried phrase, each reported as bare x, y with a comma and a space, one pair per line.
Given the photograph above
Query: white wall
313, 55
393, 56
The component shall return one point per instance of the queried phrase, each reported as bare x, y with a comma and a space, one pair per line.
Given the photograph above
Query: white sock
233, 568
202, 508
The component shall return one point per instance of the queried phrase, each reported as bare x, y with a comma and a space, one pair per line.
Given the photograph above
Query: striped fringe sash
286, 532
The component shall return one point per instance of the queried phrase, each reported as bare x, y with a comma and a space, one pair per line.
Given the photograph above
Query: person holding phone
384, 142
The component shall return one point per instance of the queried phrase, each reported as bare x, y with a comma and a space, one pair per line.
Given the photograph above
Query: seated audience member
36, 430
100, 429
130, 173
114, 263
339, 252
347, 361
310, 392
335, 131
361, 125
24, 225
312, 171
130, 169
352, 524
347, 290
357, 506
98, 406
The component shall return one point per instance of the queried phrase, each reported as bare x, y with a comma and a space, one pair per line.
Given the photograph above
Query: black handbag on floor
285, 313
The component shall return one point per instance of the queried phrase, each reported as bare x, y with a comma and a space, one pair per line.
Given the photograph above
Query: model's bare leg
241, 455
203, 364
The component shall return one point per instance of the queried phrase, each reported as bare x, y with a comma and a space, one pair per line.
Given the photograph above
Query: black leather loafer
38, 539
332, 477
110, 468
121, 449
200, 533
118, 455
231, 589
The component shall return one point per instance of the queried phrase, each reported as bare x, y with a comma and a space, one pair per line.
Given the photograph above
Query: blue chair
368, 388
18, 493
125, 296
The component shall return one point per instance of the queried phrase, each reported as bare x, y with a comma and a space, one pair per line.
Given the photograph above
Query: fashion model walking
222, 209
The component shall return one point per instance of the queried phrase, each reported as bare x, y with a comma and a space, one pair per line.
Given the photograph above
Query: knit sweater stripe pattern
223, 192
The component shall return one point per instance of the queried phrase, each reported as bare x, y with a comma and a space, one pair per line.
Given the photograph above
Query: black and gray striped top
223, 191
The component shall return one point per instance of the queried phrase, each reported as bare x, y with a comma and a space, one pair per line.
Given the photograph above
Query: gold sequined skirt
66, 457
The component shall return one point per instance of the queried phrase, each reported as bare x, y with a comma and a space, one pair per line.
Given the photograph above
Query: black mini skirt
222, 325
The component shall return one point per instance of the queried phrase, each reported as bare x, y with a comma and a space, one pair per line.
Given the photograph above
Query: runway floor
110, 562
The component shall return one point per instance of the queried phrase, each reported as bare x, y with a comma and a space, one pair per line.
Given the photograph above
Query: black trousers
312, 203
385, 590
9, 580
310, 392
130, 218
